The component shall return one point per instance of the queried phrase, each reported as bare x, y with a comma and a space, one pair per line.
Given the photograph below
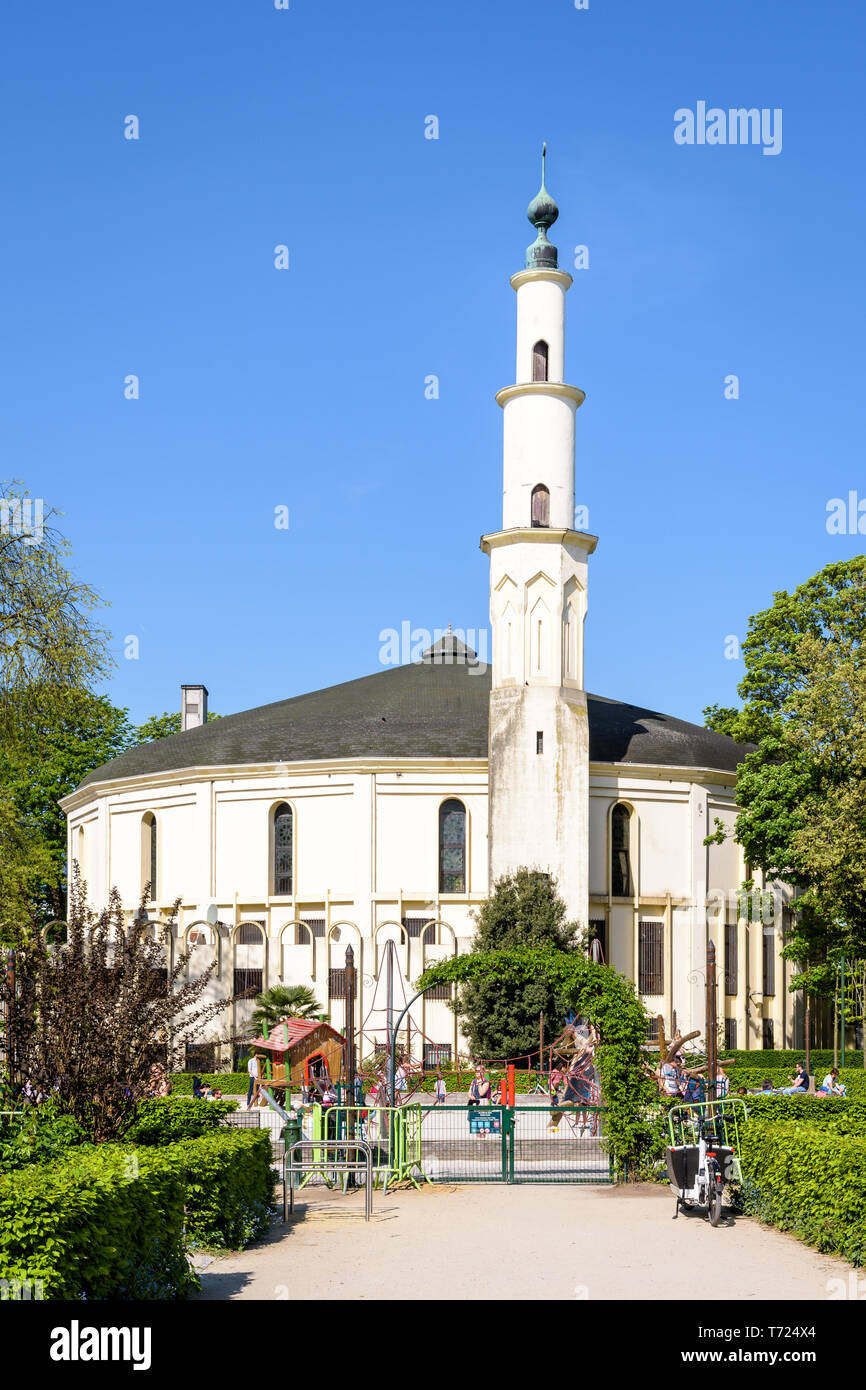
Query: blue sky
305, 388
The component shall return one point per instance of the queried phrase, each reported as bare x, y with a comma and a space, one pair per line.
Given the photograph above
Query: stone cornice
559, 277
518, 535
250, 771
541, 388
435, 766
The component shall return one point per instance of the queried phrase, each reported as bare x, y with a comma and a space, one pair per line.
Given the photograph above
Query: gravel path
501, 1241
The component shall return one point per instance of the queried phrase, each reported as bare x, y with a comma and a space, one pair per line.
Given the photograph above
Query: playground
528, 1242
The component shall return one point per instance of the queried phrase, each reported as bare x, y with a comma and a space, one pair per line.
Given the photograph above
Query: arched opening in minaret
539, 360
540, 505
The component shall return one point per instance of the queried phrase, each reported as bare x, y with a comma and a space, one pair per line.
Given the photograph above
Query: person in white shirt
831, 1085
253, 1069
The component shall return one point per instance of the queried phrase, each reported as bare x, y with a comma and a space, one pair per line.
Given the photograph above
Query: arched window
539, 361
150, 855
452, 847
540, 505
283, 849
620, 852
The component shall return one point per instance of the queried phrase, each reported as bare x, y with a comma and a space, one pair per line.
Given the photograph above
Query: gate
468, 1143
514, 1144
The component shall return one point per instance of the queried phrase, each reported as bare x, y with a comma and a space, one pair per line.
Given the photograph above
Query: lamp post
711, 1020
350, 1025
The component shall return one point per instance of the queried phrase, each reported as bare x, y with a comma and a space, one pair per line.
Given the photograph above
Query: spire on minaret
542, 213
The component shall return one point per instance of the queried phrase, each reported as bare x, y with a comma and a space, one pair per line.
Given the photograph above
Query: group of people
799, 1084
676, 1081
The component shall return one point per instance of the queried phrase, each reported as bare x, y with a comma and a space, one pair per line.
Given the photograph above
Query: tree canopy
500, 1017
802, 791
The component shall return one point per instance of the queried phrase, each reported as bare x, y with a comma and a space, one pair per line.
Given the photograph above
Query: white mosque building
385, 808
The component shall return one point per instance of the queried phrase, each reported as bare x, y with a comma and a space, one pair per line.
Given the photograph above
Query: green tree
802, 789
51, 650
501, 1016
162, 726
48, 639
284, 1001
63, 740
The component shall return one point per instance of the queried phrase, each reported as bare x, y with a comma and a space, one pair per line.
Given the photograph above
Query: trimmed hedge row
809, 1180
836, 1113
773, 1060
114, 1221
97, 1226
231, 1083
741, 1076
169, 1119
228, 1185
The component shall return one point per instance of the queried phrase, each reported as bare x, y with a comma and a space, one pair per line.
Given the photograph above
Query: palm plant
284, 1001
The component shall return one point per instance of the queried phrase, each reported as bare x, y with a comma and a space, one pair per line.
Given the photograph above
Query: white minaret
539, 735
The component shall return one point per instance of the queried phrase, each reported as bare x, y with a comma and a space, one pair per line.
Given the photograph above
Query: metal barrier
340, 1163
392, 1132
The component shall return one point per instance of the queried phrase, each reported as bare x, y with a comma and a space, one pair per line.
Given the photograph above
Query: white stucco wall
366, 854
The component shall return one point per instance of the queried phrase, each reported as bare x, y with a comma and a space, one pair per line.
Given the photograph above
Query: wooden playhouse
298, 1052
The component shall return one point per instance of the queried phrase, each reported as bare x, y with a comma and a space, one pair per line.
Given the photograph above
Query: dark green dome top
542, 213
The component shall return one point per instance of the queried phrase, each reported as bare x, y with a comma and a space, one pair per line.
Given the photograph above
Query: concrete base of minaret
539, 800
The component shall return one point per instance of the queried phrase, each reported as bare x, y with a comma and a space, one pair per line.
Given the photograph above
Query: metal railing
340, 1163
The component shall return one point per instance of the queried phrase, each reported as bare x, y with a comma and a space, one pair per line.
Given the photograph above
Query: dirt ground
498, 1242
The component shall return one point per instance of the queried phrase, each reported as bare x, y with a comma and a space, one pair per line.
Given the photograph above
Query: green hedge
231, 1083
843, 1116
99, 1226
752, 1079
174, 1118
771, 1060
115, 1221
228, 1185
809, 1180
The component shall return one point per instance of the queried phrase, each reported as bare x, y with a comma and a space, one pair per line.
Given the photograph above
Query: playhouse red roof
291, 1031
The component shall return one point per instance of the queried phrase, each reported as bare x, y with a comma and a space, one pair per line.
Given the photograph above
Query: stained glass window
283, 865
452, 847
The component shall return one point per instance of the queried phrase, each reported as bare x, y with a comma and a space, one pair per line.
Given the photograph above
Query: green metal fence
461, 1143
514, 1144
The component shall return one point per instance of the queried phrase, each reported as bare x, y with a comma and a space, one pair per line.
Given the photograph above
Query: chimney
193, 706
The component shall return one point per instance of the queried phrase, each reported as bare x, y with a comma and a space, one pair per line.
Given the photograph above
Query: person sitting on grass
799, 1084
831, 1085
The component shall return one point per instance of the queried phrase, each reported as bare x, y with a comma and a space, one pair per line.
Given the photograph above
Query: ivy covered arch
608, 1001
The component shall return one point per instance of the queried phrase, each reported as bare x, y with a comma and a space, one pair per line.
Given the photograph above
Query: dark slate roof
430, 710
